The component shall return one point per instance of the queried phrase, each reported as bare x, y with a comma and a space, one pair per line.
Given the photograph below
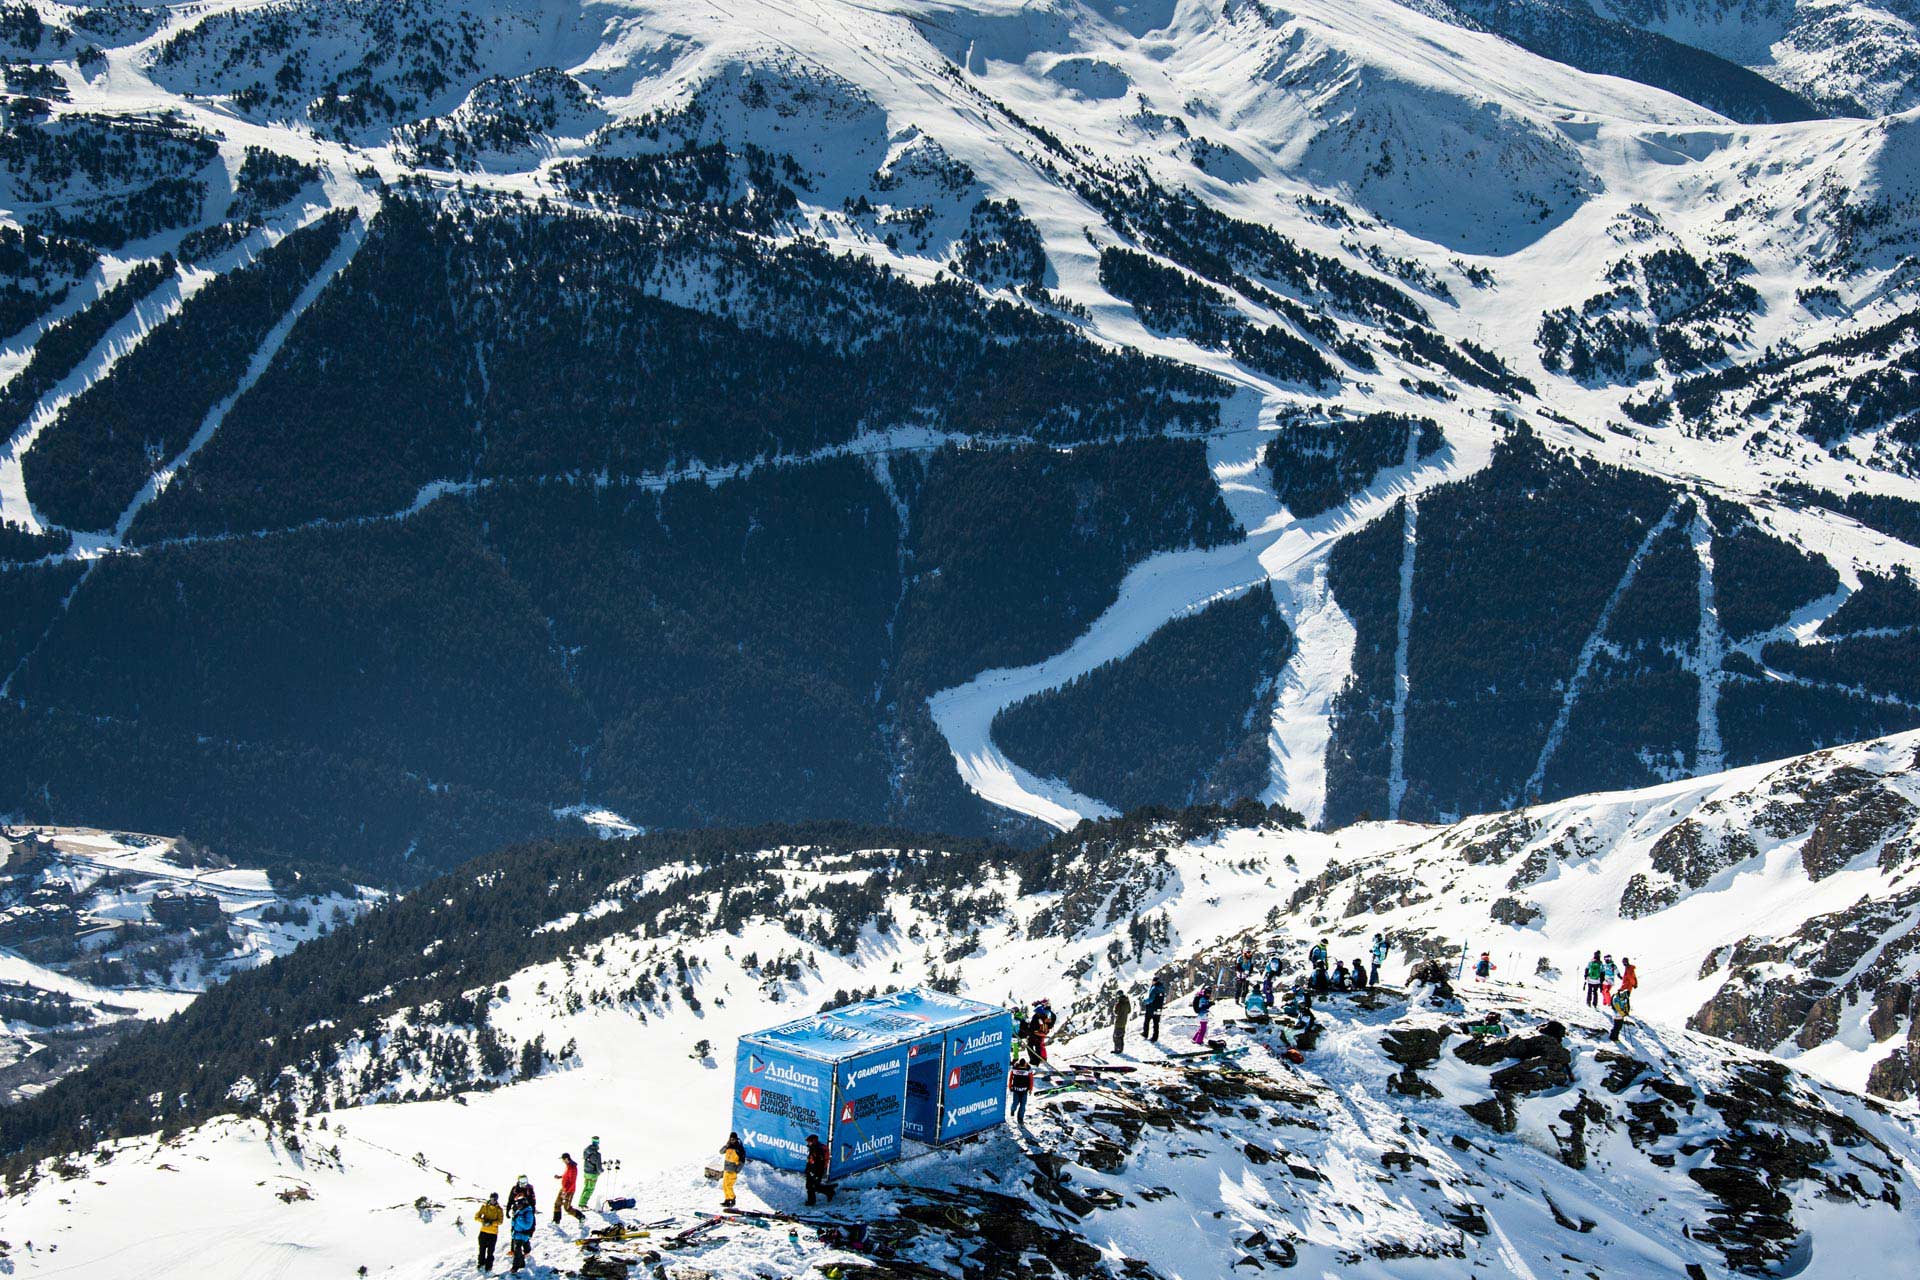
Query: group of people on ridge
521, 1212
1610, 987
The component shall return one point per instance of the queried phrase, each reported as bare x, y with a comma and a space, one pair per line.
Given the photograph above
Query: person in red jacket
569, 1182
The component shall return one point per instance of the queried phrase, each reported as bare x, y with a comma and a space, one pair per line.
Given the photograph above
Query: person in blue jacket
524, 1219
1379, 958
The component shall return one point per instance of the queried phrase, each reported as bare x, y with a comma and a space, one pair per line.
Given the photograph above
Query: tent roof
851, 1030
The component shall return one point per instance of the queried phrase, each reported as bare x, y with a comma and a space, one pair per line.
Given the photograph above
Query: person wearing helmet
1317, 957
590, 1166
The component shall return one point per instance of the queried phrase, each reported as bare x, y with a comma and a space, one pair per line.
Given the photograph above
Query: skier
1202, 1005
1039, 1026
1595, 972
569, 1176
732, 1156
489, 1217
1339, 975
1317, 957
1379, 958
1122, 1010
1019, 1085
817, 1169
1484, 967
1608, 976
1622, 1007
1150, 1010
1629, 980
522, 1193
1242, 975
590, 1165
524, 1219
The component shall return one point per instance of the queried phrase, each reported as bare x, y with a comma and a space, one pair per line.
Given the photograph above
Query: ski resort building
867, 1077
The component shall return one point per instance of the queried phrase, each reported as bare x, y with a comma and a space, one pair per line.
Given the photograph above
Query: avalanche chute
868, 1076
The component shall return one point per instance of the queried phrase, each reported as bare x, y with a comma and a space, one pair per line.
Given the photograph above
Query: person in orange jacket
1629, 979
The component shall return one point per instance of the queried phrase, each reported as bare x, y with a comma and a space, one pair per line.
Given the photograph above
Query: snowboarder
1609, 975
1484, 967
1379, 958
1202, 1005
732, 1156
522, 1193
817, 1169
1122, 1010
1339, 975
489, 1216
590, 1165
1019, 1085
1595, 972
1622, 1008
524, 1219
569, 1176
1317, 957
1150, 1011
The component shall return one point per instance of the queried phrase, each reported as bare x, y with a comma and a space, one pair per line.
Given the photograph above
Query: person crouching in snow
732, 1157
569, 1176
489, 1217
1202, 1005
1483, 968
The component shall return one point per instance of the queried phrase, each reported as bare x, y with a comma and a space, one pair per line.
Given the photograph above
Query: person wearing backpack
1379, 958
1202, 1005
1150, 1011
1609, 975
1595, 972
1622, 1010
1317, 957
1019, 1087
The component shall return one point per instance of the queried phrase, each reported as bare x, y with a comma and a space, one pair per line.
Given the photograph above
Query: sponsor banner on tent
867, 1110
924, 1079
778, 1099
975, 1083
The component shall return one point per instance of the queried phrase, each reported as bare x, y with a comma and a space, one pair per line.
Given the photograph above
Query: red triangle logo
751, 1097
846, 1112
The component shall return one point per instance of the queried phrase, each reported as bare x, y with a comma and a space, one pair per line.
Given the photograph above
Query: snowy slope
1400, 1143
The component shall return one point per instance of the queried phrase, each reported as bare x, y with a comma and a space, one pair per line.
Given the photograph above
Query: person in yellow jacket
732, 1156
489, 1218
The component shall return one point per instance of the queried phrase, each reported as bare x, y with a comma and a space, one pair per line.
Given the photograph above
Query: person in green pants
589, 1165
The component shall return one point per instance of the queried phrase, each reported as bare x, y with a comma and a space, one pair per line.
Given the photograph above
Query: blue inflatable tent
865, 1077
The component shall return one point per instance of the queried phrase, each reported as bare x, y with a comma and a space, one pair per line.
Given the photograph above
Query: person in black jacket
1150, 1011
817, 1169
1019, 1086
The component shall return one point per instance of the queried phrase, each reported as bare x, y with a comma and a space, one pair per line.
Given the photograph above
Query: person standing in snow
1202, 1005
817, 1155
1242, 975
590, 1165
1266, 987
1019, 1086
1150, 1011
1629, 979
1317, 957
1379, 958
1595, 972
489, 1217
1608, 976
1122, 1010
524, 1220
1622, 1008
522, 1193
569, 1176
732, 1156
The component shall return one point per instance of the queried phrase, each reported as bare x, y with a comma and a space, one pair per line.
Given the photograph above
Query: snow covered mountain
563, 991
429, 421
102, 930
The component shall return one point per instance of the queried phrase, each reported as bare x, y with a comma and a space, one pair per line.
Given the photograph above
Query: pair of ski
1220, 1051
626, 1231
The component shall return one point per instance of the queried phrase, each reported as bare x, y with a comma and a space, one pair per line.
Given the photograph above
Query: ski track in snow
1322, 660
1708, 653
1163, 587
1402, 643
1588, 651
